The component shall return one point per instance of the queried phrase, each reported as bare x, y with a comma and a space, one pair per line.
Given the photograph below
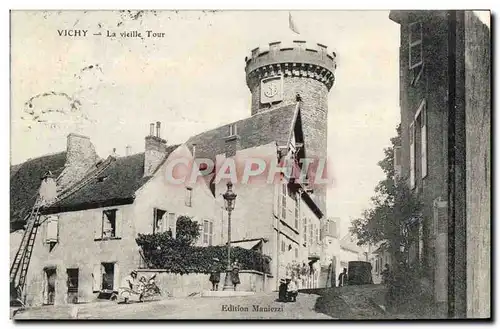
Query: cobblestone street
184, 308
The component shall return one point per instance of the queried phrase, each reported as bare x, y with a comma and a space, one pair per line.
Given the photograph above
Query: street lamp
229, 202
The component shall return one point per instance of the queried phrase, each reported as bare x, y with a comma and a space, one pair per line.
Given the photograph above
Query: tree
188, 231
393, 205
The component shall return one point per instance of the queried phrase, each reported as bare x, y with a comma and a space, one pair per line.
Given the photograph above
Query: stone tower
277, 72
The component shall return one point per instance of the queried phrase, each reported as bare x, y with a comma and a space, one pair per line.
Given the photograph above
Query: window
423, 139
52, 232
283, 202
105, 277
232, 129
415, 45
189, 197
159, 221
108, 270
297, 213
72, 285
415, 52
311, 230
296, 252
305, 229
420, 242
412, 155
109, 224
283, 245
208, 232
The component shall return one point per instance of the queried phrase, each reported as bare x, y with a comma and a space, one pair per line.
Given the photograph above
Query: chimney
194, 151
232, 141
80, 157
155, 150
114, 154
128, 150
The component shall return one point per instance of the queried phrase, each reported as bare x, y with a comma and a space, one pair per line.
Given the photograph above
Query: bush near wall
408, 292
160, 251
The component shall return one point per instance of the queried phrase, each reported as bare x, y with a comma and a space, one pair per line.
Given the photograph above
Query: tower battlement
294, 59
280, 73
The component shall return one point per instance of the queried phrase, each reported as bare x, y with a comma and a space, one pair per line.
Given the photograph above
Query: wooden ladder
19, 267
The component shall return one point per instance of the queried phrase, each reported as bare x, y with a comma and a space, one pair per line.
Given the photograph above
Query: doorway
72, 284
50, 286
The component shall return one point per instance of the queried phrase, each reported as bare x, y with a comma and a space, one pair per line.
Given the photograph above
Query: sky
192, 79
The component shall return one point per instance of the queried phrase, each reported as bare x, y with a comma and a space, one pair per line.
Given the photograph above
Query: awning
251, 244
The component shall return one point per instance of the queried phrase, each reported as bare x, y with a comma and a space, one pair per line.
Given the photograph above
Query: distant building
379, 256
350, 251
331, 251
445, 79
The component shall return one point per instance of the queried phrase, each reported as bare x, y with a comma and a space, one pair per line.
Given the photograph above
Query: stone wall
478, 165
183, 285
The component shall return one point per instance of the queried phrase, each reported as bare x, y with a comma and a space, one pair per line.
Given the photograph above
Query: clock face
271, 90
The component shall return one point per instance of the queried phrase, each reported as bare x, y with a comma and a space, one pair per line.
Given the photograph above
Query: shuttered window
52, 232
283, 202
297, 212
423, 140
189, 197
160, 221
415, 52
208, 232
412, 155
305, 229
108, 224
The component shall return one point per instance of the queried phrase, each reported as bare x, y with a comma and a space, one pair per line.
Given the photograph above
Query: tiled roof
260, 129
115, 185
25, 180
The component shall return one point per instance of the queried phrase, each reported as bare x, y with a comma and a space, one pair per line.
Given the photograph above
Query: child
141, 288
291, 290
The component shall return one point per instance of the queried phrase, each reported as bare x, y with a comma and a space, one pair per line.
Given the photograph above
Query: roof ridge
247, 118
38, 157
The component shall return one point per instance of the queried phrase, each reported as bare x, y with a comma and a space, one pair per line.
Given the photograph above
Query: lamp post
229, 202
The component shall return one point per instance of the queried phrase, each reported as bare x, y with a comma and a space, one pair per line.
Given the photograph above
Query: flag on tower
291, 23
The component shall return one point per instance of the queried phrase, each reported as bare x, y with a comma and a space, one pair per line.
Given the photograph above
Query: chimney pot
152, 129
158, 125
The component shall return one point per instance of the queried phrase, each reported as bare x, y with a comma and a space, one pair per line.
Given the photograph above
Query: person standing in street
215, 274
386, 273
343, 278
235, 273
